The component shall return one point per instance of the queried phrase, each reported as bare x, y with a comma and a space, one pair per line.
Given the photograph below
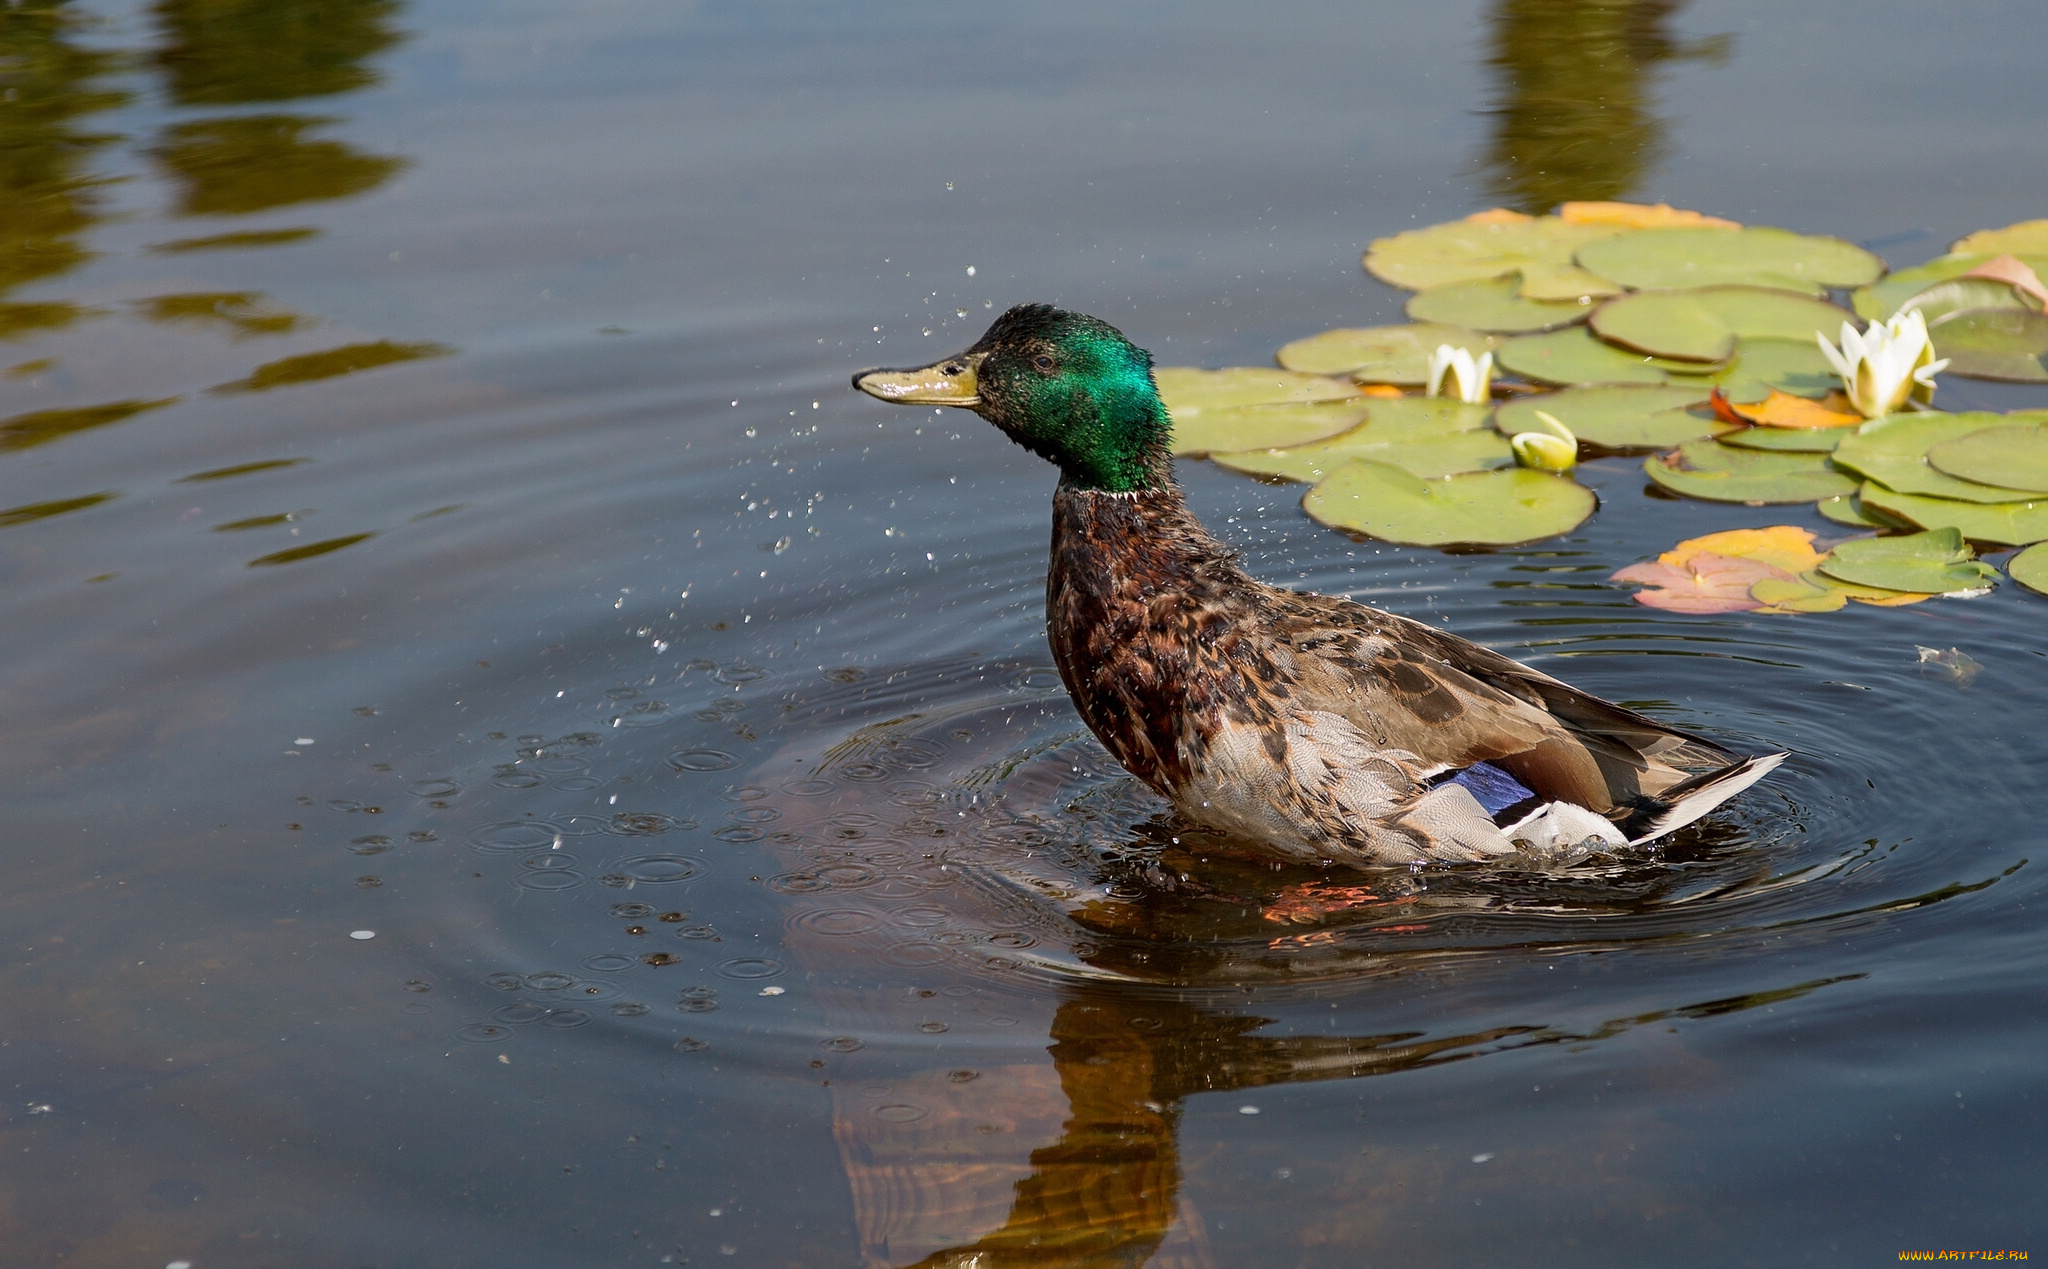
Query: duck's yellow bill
949, 382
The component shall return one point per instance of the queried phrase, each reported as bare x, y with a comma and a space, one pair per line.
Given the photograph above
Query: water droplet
362, 934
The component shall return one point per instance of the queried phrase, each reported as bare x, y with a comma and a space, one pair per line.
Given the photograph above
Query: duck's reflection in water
939, 1177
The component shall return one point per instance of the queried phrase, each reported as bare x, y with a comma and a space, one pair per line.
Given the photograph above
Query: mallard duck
1317, 728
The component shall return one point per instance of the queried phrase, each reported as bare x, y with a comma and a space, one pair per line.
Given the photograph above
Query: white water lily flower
1887, 365
1473, 377
1553, 450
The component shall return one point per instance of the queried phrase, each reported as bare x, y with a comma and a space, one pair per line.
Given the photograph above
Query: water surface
433, 507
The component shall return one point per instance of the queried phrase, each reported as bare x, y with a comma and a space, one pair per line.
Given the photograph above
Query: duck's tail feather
1652, 817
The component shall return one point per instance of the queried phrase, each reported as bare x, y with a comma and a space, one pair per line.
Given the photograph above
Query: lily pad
1491, 508
1849, 509
1381, 354
1784, 440
1703, 324
2028, 237
1429, 457
1784, 410
1892, 451
1936, 562
1618, 419
1998, 523
1715, 573
1188, 388
1880, 300
1494, 304
1576, 355
1805, 593
1685, 258
1235, 427
2030, 569
1721, 473
1957, 294
1491, 245
1761, 366
2010, 456
1993, 343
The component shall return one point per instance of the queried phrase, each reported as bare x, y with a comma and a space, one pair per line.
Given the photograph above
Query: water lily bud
1543, 451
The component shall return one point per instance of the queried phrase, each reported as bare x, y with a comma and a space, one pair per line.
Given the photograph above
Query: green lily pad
2026, 237
1703, 324
1617, 419
1429, 457
1880, 300
1721, 473
1804, 593
1936, 562
1685, 258
1892, 451
1576, 355
1993, 343
1494, 304
1381, 354
1490, 508
2030, 569
1186, 388
1760, 365
1539, 249
2014, 455
1849, 509
1786, 440
1998, 523
1235, 427
1424, 422
1957, 294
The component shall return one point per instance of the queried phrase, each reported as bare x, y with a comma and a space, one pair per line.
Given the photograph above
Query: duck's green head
1063, 385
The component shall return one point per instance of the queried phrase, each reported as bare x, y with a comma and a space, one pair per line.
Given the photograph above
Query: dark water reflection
1575, 113
494, 565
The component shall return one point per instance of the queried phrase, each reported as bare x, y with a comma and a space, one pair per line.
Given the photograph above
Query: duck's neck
1105, 537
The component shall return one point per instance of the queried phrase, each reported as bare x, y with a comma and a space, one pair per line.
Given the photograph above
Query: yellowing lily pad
1491, 508
1381, 354
1721, 473
1188, 388
1936, 562
1716, 573
1235, 427
1703, 324
1618, 419
1493, 304
1576, 355
1784, 410
1685, 258
2030, 569
1640, 216
2028, 237
1490, 245
1429, 457
1892, 451
2009, 344
1998, 523
1783, 440
2010, 456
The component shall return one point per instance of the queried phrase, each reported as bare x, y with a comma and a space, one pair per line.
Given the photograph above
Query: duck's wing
1453, 703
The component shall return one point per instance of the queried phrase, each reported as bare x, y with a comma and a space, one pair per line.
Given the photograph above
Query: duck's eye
1043, 362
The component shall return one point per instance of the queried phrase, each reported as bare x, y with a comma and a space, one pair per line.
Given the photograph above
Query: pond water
511, 762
